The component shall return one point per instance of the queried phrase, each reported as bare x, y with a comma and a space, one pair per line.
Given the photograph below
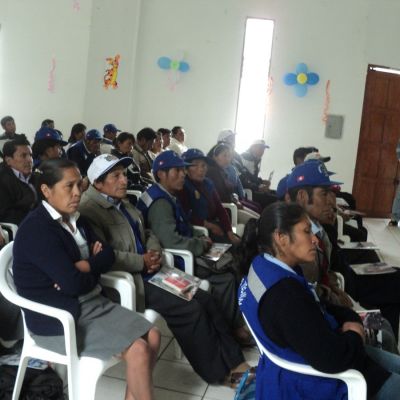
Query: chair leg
85, 379
19, 380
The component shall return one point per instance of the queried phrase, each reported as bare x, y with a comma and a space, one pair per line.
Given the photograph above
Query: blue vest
274, 382
154, 193
199, 200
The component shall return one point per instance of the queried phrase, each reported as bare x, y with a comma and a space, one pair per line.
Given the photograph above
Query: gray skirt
103, 329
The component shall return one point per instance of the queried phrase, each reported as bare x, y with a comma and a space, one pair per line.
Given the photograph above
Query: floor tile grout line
177, 391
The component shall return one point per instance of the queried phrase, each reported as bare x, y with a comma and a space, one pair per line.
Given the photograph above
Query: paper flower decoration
174, 69
301, 79
175, 65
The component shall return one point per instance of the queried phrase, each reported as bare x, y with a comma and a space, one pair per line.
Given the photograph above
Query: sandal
235, 377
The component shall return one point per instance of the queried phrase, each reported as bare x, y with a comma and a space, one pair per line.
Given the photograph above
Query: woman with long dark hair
288, 319
58, 262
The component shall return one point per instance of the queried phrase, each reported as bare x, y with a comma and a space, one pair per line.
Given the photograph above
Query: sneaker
392, 222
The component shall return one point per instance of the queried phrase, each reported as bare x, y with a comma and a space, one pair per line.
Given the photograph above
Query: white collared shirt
21, 176
76, 234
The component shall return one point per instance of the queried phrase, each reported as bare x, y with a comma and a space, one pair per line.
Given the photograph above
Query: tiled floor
175, 379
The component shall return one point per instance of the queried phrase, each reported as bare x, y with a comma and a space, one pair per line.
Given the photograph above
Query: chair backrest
7, 287
356, 385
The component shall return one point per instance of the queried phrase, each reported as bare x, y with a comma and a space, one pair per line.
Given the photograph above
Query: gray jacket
111, 226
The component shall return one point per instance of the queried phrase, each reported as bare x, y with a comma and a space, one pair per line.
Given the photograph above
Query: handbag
224, 263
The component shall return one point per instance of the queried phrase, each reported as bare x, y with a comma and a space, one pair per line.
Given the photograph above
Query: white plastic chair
82, 372
354, 380
341, 236
136, 193
236, 227
248, 193
12, 227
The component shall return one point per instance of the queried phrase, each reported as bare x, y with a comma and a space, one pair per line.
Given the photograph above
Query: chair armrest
5, 234
187, 259
136, 193
201, 229
12, 227
234, 213
124, 284
356, 385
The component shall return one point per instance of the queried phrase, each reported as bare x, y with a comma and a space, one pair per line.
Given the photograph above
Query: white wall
336, 39
114, 30
32, 33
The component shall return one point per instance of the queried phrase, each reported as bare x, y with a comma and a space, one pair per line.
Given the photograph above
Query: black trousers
200, 329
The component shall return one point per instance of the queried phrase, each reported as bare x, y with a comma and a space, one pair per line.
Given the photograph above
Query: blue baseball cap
111, 128
310, 173
193, 154
93, 134
281, 189
49, 134
168, 159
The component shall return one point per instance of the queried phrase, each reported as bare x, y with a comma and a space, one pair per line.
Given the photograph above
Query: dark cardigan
44, 255
16, 197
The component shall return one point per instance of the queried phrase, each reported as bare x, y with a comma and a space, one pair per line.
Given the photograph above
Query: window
254, 82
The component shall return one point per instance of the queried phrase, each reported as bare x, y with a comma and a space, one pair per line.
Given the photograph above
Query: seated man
309, 185
8, 124
248, 166
144, 141
48, 145
164, 215
177, 141
84, 151
109, 134
17, 194
197, 325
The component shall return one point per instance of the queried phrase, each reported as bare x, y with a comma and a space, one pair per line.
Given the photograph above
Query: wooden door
377, 173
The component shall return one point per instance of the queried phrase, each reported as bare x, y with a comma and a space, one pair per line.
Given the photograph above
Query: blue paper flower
176, 65
301, 79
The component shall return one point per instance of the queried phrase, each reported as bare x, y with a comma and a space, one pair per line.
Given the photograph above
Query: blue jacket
44, 253
81, 156
273, 381
151, 195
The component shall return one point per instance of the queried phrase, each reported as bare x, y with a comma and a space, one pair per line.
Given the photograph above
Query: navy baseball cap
93, 134
310, 173
168, 159
281, 189
49, 134
193, 154
111, 128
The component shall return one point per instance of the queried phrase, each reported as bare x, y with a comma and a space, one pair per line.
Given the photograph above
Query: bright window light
254, 82
387, 70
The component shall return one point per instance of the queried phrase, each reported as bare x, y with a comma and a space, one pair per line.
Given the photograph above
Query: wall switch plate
334, 126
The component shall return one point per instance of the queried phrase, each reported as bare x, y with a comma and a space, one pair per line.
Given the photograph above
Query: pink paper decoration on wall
51, 80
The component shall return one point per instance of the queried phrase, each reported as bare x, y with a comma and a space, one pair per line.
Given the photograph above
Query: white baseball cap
223, 135
260, 142
103, 163
316, 156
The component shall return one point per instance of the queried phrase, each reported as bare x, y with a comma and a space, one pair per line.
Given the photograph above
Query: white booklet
217, 250
377, 268
358, 245
176, 282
